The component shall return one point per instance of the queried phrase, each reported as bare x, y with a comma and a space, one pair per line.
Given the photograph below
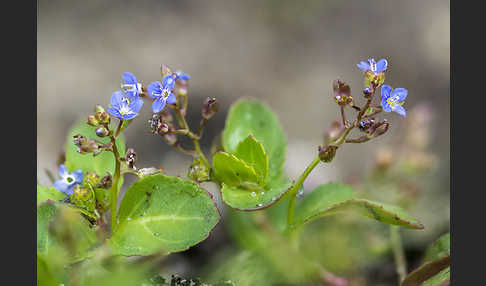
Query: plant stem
116, 177
398, 253
293, 191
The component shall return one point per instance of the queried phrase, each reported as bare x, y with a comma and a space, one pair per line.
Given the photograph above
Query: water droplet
156, 234
274, 198
129, 218
253, 194
300, 194
262, 193
260, 205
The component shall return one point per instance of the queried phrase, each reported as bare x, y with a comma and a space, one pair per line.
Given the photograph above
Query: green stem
116, 178
293, 191
398, 253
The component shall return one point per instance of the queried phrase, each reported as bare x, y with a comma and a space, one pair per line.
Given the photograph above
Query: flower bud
79, 140
342, 93
83, 197
367, 92
105, 182
102, 117
99, 108
366, 123
210, 107
155, 123
163, 129
198, 171
93, 121
327, 153
102, 132
165, 70
91, 179
131, 158
334, 131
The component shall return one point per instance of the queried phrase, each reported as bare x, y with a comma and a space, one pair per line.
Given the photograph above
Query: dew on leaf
253, 194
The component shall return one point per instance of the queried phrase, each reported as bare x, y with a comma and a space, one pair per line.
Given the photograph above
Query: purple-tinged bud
102, 117
366, 123
105, 182
93, 121
327, 153
367, 92
163, 129
79, 140
99, 108
83, 197
91, 178
102, 132
334, 132
210, 107
165, 70
131, 158
342, 93
155, 123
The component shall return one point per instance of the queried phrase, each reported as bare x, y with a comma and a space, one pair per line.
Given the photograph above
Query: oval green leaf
232, 171
334, 198
251, 151
101, 163
440, 248
49, 193
163, 214
248, 197
250, 117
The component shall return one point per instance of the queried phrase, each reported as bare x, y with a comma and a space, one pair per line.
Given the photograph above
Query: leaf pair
250, 169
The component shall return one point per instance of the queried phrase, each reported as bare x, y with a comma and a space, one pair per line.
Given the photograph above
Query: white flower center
137, 87
125, 110
392, 101
68, 179
373, 66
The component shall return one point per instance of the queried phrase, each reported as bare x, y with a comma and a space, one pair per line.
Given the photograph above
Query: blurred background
283, 52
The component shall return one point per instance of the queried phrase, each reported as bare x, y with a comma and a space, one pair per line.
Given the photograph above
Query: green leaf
61, 226
439, 279
251, 151
100, 164
248, 197
161, 213
232, 171
428, 271
250, 117
49, 193
439, 248
334, 198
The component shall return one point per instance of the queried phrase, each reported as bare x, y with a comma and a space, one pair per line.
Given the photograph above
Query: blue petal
62, 170
117, 98
385, 105
78, 176
136, 105
168, 82
154, 89
182, 75
60, 186
171, 99
114, 111
372, 61
130, 116
132, 95
364, 66
69, 190
158, 105
401, 93
129, 78
400, 110
381, 65
385, 92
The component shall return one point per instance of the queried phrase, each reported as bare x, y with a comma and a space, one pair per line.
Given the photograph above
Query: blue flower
68, 180
372, 65
130, 85
182, 75
162, 93
393, 100
125, 106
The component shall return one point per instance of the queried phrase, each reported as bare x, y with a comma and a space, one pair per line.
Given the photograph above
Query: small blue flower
68, 180
125, 106
162, 93
373, 66
182, 75
393, 100
130, 85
